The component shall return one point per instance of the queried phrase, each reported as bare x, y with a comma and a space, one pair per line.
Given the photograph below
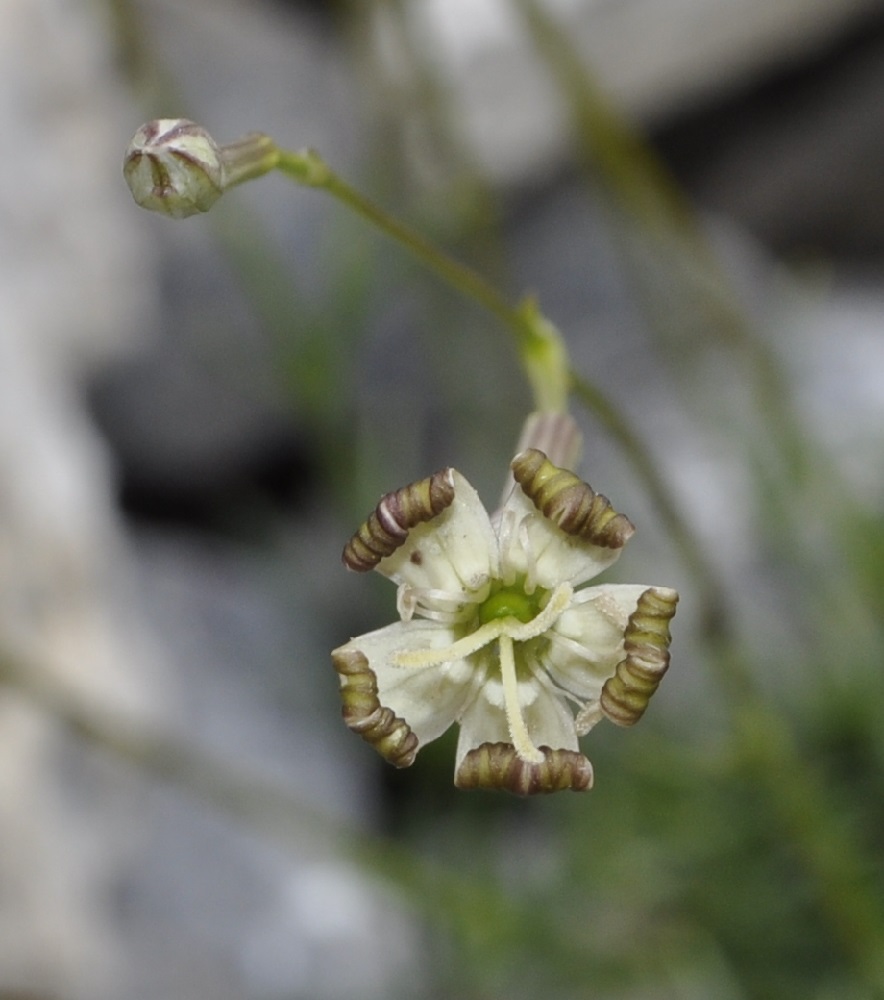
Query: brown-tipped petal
498, 766
397, 513
364, 714
572, 505
625, 696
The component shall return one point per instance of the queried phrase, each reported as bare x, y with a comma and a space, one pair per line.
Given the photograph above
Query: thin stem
459, 276
714, 616
540, 346
647, 192
543, 354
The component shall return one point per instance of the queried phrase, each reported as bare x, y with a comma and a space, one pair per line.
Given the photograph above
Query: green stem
643, 186
540, 346
309, 168
543, 354
714, 615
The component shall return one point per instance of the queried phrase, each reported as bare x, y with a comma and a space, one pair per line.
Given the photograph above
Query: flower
173, 166
497, 631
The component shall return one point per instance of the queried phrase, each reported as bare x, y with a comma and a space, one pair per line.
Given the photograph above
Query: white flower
498, 632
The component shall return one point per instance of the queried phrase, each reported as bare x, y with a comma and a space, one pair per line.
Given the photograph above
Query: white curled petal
429, 698
586, 642
547, 717
532, 545
456, 552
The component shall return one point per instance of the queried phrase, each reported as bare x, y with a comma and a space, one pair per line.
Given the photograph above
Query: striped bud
625, 696
397, 513
364, 714
498, 766
572, 505
173, 166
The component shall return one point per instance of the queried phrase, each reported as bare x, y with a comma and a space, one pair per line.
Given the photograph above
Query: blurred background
195, 416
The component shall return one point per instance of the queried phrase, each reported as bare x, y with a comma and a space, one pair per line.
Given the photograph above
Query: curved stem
542, 352
541, 349
308, 168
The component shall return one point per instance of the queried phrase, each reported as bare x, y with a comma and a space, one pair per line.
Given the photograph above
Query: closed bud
175, 167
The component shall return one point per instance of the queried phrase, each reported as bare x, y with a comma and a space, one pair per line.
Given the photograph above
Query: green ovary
510, 602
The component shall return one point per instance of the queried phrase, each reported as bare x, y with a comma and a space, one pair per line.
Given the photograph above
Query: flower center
511, 602
508, 616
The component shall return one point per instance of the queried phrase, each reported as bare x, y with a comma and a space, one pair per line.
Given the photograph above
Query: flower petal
533, 546
547, 717
610, 649
486, 757
399, 708
625, 696
586, 642
497, 766
455, 552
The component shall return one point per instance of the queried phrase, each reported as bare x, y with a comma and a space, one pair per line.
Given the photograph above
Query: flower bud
174, 166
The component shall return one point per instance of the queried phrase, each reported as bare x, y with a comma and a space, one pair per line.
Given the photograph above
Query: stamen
512, 704
406, 602
436, 605
574, 649
587, 717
